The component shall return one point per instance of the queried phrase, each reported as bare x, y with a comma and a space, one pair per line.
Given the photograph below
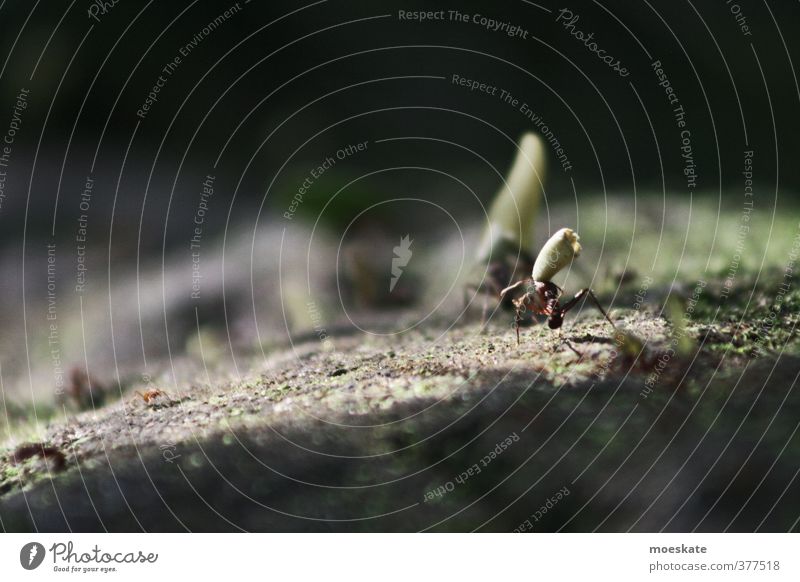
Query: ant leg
520, 307
511, 287
465, 298
518, 319
578, 296
570, 346
566, 342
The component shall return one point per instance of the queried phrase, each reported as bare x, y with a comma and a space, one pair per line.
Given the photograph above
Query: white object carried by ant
541, 295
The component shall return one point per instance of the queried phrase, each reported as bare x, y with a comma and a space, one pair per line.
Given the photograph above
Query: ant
542, 298
498, 274
541, 295
150, 395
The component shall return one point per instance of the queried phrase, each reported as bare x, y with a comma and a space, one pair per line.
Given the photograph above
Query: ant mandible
542, 295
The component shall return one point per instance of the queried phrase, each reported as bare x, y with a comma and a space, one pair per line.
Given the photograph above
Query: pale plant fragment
556, 254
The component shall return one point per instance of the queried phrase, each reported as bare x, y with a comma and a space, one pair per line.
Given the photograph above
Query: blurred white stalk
513, 210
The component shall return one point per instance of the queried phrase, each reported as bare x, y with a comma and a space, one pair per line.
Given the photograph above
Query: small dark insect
46, 452
498, 275
542, 296
151, 395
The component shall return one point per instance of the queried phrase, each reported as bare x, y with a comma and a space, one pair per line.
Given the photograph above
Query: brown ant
542, 298
498, 274
541, 295
150, 396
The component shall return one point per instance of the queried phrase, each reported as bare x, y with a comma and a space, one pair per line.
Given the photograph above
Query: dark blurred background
279, 86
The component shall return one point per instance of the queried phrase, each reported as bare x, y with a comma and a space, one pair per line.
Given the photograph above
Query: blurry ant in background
151, 395
499, 273
504, 250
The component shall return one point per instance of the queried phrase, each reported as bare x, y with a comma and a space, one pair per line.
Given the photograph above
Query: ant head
555, 320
